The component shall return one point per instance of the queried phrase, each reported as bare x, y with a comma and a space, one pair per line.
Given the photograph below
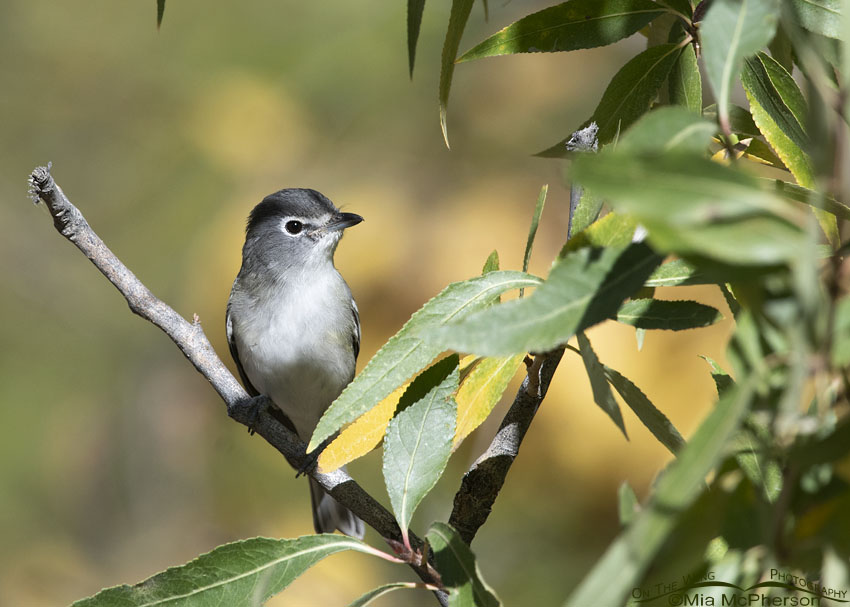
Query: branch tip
40, 182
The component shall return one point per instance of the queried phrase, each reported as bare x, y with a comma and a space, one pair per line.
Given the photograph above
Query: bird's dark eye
293, 226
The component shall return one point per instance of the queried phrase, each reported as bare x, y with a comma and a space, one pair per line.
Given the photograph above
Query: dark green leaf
583, 288
685, 83
666, 129
418, 443
535, 221
810, 197
675, 273
627, 503
613, 230
731, 31
414, 21
457, 23
684, 7
492, 263
777, 92
669, 315
458, 570
781, 49
380, 591
820, 16
573, 25
244, 573
160, 11
627, 558
602, 395
406, 353
632, 90
655, 421
722, 381
740, 120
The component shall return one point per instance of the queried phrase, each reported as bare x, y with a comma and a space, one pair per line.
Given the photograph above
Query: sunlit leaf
731, 31
457, 23
667, 129
613, 230
675, 273
369, 597
841, 334
684, 84
602, 394
418, 441
584, 288
458, 569
573, 25
244, 573
627, 558
632, 90
654, 420
627, 503
668, 315
492, 263
406, 353
820, 16
414, 22
481, 390
535, 221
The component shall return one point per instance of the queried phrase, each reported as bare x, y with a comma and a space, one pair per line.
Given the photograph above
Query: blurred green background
116, 458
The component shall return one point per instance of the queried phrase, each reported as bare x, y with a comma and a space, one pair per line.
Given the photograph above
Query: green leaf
570, 26
457, 23
654, 420
613, 230
583, 288
740, 120
627, 558
481, 390
692, 206
458, 570
667, 129
406, 353
602, 395
414, 22
587, 211
380, 591
841, 334
820, 16
722, 381
632, 90
682, 6
247, 572
731, 31
627, 503
492, 263
675, 273
685, 84
535, 221
668, 315
418, 442
160, 11
811, 197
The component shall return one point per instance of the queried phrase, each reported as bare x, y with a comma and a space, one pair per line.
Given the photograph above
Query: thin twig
190, 338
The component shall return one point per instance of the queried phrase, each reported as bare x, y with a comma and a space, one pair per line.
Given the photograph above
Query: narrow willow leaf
414, 22
480, 392
458, 570
363, 435
685, 84
685, 7
457, 23
740, 120
244, 573
418, 444
587, 211
731, 31
722, 381
808, 196
406, 353
380, 591
675, 273
840, 354
777, 94
160, 11
654, 420
602, 394
781, 49
632, 90
667, 129
583, 288
691, 205
627, 503
492, 263
667, 315
535, 221
613, 230
820, 16
570, 26
627, 558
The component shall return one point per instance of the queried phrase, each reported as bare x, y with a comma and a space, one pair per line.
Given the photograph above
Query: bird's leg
257, 405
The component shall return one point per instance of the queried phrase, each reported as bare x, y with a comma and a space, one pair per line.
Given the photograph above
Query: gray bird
292, 324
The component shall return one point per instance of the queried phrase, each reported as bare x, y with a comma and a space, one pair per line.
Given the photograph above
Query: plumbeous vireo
292, 324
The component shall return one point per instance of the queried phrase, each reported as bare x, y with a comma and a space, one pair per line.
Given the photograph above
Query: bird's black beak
343, 220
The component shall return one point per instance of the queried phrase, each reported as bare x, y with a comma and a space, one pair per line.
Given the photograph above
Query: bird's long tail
329, 515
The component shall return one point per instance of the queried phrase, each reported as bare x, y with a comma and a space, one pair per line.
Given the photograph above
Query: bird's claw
312, 459
258, 404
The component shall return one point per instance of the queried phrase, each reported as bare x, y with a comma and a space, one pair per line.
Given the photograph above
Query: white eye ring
293, 227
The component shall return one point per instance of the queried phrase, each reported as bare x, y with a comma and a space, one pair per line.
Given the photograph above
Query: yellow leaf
481, 390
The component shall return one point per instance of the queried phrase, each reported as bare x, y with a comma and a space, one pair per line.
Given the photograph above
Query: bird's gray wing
355, 337
231, 341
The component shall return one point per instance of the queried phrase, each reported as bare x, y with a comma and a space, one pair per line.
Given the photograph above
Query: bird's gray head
294, 228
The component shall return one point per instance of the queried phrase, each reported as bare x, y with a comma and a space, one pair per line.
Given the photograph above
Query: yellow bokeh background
117, 460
